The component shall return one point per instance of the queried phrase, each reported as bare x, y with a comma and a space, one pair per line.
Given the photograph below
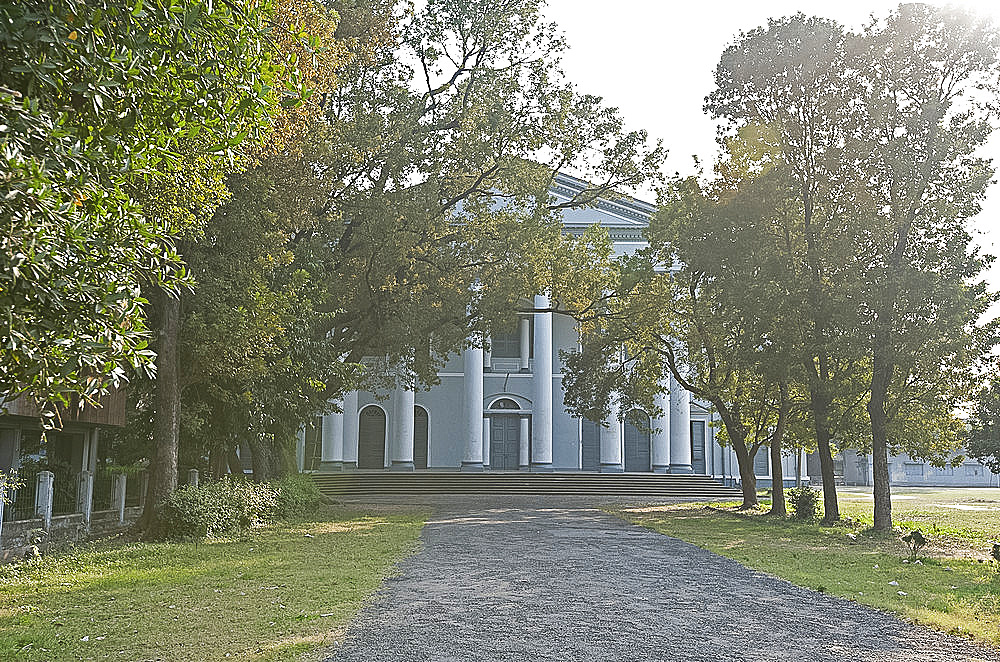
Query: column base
330, 466
523, 467
611, 469
681, 469
542, 468
401, 466
661, 468
349, 466
523, 371
473, 466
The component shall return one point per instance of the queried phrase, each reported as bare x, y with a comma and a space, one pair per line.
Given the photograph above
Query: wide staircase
359, 484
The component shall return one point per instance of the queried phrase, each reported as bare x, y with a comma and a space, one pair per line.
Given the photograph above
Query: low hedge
223, 507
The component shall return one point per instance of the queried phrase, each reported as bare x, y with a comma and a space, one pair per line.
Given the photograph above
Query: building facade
502, 409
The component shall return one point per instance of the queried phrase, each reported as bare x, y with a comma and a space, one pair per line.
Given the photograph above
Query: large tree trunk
777, 476
235, 466
260, 459
819, 401
167, 405
737, 437
880, 458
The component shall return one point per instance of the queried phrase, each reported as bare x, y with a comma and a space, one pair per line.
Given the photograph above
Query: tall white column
661, 433
401, 458
350, 456
524, 430
332, 449
473, 409
611, 442
680, 429
524, 327
541, 425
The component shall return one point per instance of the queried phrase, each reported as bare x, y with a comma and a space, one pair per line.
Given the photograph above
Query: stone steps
375, 483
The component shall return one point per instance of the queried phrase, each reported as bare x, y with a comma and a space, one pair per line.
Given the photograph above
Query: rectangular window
506, 343
973, 469
913, 468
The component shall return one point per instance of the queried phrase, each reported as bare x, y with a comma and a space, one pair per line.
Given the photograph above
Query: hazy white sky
654, 60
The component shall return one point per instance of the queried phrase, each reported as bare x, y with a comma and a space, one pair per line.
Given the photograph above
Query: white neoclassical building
502, 409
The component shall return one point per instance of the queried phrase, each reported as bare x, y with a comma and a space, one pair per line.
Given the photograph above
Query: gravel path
520, 582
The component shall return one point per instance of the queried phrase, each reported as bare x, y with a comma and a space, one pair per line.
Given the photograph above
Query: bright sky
654, 59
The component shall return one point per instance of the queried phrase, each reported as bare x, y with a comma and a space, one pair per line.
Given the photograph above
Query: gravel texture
524, 581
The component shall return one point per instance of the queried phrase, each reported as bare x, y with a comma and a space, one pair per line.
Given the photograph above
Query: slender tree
929, 75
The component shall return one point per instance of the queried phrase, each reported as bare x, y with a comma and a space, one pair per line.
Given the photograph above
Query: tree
983, 437
788, 87
717, 331
929, 75
410, 215
95, 95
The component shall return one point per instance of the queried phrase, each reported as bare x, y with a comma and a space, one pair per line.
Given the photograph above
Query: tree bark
744, 461
819, 401
777, 476
259, 458
167, 406
235, 466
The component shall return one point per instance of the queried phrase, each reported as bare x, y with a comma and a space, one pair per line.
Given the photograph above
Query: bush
222, 507
804, 502
217, 508
298, 496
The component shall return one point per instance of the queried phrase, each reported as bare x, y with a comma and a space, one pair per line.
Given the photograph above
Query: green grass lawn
273, 594
953, 588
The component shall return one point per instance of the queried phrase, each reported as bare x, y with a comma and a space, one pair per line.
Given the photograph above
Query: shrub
804, 502
915, 540
216, 508
298, 496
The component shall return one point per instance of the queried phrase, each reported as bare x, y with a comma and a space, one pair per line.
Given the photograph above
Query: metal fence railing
103, 491
65, 487
23, 499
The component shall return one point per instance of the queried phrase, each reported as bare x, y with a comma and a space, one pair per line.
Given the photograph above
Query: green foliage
804, 503
915, 541
983, 436
298, 496
99, 100
216, 508
8, 483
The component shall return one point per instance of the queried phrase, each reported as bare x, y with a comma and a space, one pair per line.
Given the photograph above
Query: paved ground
514, 582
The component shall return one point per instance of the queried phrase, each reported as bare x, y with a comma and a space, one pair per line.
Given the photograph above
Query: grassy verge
949, 590
274, 594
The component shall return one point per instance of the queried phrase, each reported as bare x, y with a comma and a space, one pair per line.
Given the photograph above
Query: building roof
624, 217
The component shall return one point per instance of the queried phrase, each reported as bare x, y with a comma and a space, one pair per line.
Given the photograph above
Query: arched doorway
371, 438
590, 453
505, 437
420, 421
637, 457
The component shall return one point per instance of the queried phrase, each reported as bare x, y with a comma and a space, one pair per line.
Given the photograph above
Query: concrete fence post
3, 498
43, 497
85, 495
193, 477
118, 496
